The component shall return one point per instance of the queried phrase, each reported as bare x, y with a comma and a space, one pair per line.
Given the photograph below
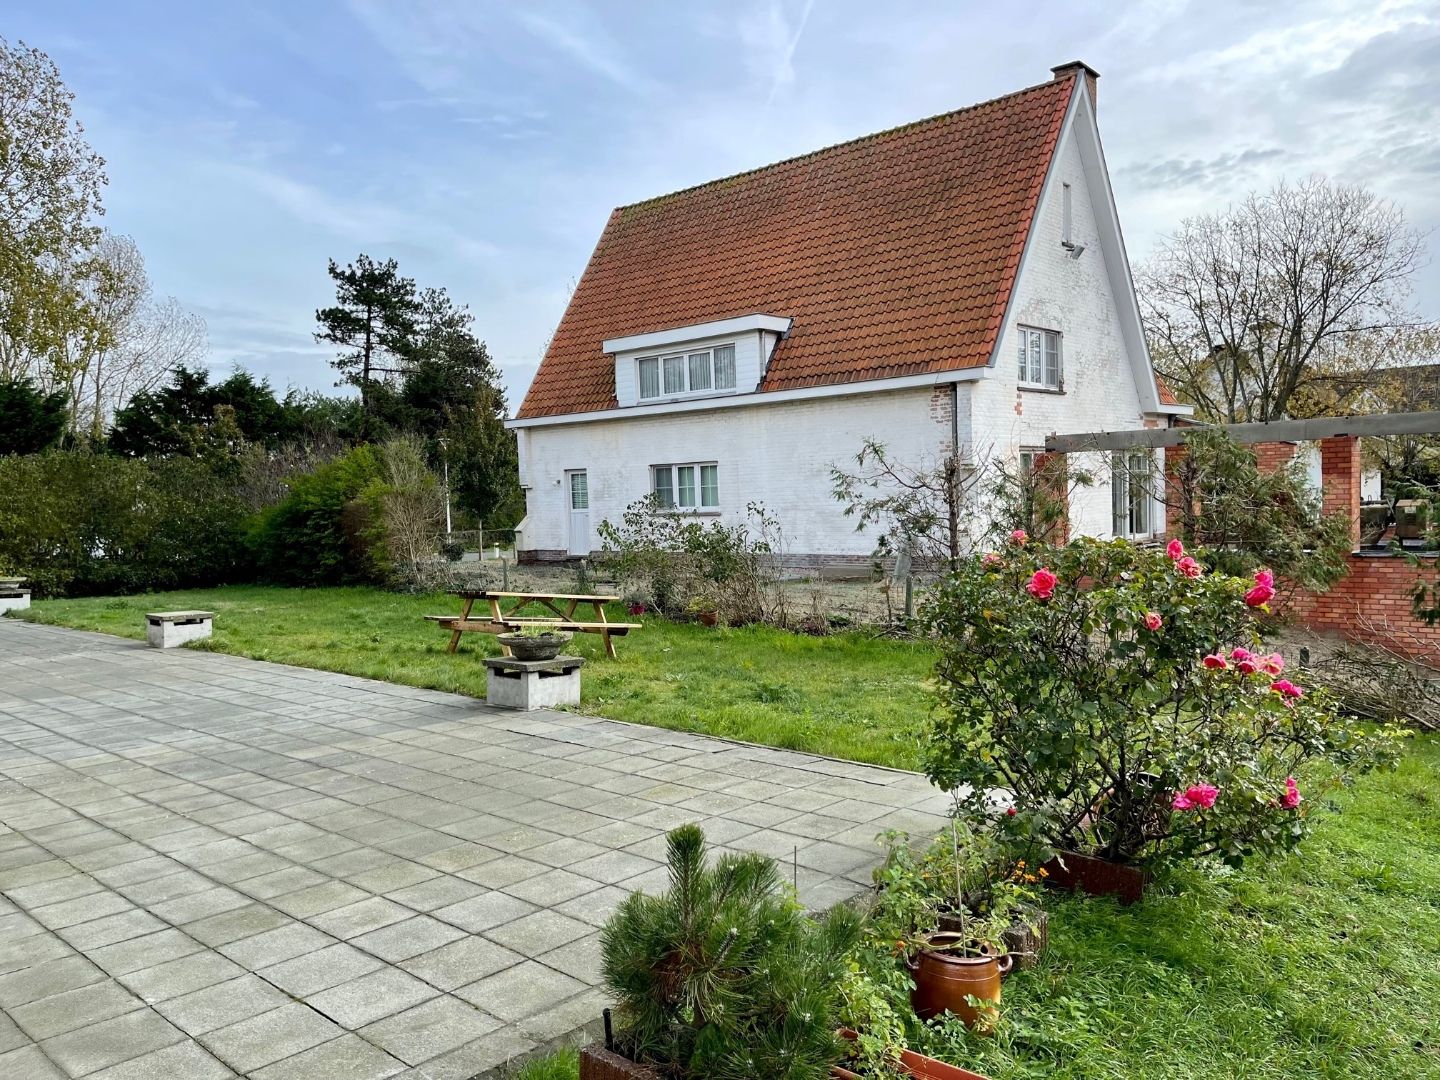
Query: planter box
1096, 877
597, 1063
916, 1065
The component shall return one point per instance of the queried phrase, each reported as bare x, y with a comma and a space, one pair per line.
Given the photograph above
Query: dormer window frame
678, 373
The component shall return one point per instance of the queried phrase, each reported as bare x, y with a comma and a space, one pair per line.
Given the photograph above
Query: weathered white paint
779, 449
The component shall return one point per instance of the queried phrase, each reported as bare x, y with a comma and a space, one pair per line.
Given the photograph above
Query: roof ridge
837, 146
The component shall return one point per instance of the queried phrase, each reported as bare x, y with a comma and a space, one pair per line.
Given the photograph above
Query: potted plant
703, 607
722, 977
1123, 701
534, 642
960, 912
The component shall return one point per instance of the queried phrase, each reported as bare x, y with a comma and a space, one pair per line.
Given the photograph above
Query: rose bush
1120, 696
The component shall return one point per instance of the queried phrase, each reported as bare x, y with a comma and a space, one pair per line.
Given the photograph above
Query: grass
1322, 964
561, 1065
850, 695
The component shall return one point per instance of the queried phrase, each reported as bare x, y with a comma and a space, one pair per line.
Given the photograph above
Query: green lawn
1324, 964
850, 695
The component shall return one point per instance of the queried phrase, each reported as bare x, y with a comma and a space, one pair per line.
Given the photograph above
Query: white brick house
730, 343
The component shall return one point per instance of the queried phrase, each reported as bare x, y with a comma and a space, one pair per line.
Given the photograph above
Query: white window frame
1134, 515
698, 487
1029, 337
683, 359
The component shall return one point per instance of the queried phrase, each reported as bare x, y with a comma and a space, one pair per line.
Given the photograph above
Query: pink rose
1248, 666
1153, 620
1018, 536
1273, 664
1259, 596
1215, 662
1291, 798
1287, 690
1175, 549
1266, 578
990, 560
1042, 584
1189, 567
1195, 797
1241, 653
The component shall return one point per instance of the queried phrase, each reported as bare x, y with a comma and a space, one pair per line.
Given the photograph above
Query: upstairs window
1039, 357
700, 372
686, 487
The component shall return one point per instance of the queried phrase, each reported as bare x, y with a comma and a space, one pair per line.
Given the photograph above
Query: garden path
212, 866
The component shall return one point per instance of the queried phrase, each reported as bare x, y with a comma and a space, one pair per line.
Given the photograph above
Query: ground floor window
694, 486
1132, 493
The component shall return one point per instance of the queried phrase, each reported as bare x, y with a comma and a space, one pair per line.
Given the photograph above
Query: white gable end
1086, 301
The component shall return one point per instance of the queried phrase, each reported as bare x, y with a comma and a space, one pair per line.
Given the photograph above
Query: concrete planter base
167, 629
14, 600
532, 684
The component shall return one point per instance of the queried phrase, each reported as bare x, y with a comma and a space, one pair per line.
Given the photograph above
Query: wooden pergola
1325, 427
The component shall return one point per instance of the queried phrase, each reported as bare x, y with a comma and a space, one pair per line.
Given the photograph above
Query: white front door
578, 488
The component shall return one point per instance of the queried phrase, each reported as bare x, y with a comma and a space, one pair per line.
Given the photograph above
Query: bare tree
128, 341
1277, 305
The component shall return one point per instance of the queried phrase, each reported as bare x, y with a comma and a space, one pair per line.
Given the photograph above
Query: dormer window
701, 372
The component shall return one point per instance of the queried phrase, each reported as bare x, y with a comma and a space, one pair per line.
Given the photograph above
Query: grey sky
484, 144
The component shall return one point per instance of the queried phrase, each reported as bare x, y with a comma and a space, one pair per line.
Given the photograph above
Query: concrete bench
14, 596
167, 629
532, 684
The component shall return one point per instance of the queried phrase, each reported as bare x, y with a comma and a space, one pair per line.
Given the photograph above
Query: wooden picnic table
561, 605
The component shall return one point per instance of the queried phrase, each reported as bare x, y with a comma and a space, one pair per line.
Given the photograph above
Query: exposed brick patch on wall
1371, 603
942, 406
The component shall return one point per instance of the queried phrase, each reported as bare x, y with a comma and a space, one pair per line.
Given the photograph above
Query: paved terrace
212, 866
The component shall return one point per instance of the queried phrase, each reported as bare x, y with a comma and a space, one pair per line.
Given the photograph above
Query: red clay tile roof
1167, 396
894, 254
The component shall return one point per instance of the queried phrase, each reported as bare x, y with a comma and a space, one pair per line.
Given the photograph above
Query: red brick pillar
1270, 456
1340, 480
1173, 491
1052, 477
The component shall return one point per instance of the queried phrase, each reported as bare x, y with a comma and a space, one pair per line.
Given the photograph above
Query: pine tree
373, 322
725, 977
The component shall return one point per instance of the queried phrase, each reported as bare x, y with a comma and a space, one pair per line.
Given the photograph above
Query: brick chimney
1079, 67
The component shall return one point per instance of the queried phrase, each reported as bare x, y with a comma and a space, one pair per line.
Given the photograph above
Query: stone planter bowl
526, 647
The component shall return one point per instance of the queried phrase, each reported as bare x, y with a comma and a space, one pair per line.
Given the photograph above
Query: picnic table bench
562, 608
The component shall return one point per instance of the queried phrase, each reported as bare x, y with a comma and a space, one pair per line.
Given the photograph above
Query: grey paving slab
212, 866
110, 1042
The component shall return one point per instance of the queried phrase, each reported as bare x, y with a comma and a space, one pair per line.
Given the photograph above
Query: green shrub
82, 524
724, 977
322, 531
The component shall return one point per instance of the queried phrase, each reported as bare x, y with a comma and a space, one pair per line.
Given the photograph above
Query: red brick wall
1372, 603
1270, 456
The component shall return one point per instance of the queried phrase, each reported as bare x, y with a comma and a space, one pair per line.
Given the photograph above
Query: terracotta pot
916, 1065
597, 1063
944, 980
1096, 877
709, 618
1025, 942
